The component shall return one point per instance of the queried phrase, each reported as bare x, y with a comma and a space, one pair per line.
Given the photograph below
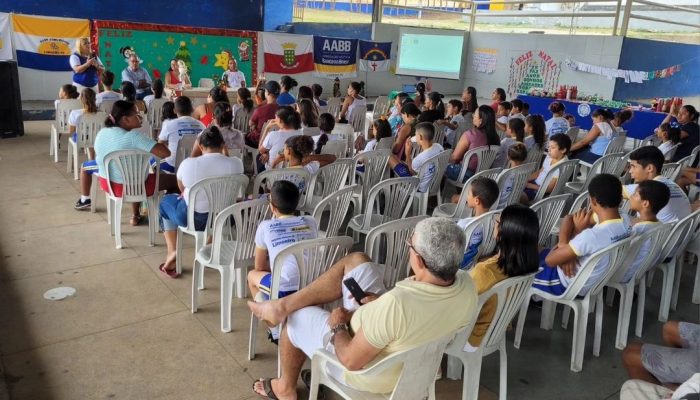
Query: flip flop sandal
135, 220
267, 387
169, 273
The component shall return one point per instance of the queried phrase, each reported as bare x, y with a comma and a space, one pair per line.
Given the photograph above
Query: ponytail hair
436, 98
603, 112
289, 117
539, 129
245, 98
322, 140
300, 146
288, 82
120, 109
556, 107
211, 138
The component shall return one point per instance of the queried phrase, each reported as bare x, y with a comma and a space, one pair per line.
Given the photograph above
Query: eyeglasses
410, 246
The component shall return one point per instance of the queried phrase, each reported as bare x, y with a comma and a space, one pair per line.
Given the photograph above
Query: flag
335, 57
288, 54
46, 43
5, 43
375, 56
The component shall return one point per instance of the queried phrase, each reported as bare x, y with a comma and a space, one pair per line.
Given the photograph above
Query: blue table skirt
640, 126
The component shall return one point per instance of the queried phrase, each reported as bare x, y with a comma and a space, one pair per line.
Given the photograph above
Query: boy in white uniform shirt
579, 238
425, 132
481, 195
517, 111
456, 121
645, 164
559, 146
503, 115
173, 130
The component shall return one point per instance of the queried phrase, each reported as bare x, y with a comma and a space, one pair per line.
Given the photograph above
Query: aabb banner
335, 57
288, 54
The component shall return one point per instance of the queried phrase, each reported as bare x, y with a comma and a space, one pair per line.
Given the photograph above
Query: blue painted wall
651, 55
277, 12
367, 8
236, 14
353, 31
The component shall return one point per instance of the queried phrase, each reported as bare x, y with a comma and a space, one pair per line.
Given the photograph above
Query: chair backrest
311, 131
580, 202
106, 105
247, 215
334, 104
63, 109
154, 113
184, 148
206, 83
534, 155
651, 140
241, 120
433, 170
562, 172
511, 183
329, 178
134, 166
386, 244
313, 258
654, 239
608, 164
346, 131
375, 163
439, 137
462, 211
381, 106
390, 199
144, 129
671, 170
509, 294
671, 152
572, 133
298, 176
357, 118
485, 156
88, 127
337, 204
238, 153
338, 148
549, 211
385, 143
679, 237
616, 145
485, 222
220, 192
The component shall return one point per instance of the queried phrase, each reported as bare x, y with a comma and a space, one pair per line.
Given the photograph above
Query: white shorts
308, 328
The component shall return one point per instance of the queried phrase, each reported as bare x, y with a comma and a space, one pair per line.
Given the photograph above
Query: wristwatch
337, 328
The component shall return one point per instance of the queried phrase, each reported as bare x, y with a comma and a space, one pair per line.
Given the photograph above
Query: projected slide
434, 54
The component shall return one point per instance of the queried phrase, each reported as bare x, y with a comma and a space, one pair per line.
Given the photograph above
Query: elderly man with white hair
436, 300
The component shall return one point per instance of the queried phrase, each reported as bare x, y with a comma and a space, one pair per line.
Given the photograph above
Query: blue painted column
276, 13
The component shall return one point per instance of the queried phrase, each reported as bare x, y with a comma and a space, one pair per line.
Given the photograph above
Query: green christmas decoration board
532, 79
206, 52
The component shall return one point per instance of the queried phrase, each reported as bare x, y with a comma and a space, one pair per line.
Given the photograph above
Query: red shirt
494, 105
261, 115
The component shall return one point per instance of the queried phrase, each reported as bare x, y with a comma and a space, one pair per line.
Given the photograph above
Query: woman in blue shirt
285, 98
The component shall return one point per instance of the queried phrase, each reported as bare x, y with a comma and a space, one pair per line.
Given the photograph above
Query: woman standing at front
86, 66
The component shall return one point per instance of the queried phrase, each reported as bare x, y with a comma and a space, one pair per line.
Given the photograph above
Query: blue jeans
453, 171
173, 213
147, 92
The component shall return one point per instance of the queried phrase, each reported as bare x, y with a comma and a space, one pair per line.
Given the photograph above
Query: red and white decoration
288, 54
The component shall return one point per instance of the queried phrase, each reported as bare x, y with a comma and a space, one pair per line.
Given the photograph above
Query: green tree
183, 53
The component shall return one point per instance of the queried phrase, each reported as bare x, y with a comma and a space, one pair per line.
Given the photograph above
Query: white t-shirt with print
107, 96
638, 229
172, 130
274, 235
592, 240
546, 167
477, 234
451, 134
74, 117
556, 125
503, 119
274, 141
665, 147
420, 160
234, 80
678, 206
371, 145
209, 165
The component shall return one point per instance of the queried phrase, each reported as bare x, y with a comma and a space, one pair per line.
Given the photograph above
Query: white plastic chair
338, 148
651, 140
358, 118
385, 143
241, 119
375, 165
417, 379
549, 211
154, 115
671, 152
298, 176
86, 131
134, 166
106, 106
509, 295
460, 210
572, 133
381, 106
220, 192
205, 83
60, 125
311, 131
397, 195
231, 257
654, 239
616, 145
435, 165
334, 104
326, 181
313, 258
184, 149
439, 137
337, 204
607, 164
485, 156
562, 172
346, 131
486, 223
386, 245
534, 155
593, 299
516, 178
671, 170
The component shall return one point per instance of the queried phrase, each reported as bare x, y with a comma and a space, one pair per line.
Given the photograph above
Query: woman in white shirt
352, 100
87, 98
173, 207
557, 124
272, 142
233, 78
593, 145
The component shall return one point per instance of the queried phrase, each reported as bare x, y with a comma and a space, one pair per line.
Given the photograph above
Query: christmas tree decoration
183, 53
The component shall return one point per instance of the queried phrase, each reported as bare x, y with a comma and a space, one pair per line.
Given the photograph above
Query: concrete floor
128, 332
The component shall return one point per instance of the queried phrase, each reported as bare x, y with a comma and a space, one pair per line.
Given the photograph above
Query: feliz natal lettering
549, 61
525, 57
115, 33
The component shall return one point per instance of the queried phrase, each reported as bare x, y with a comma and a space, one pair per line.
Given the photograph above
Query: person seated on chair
263, 113
117, 135
425, 133
434, 108
285, 98
274, 235
649, 198
205, 112
503, 115
65, 92
107, 94
394, 113
129, 94
272, 142
223, 119
515, 133
579, 238
326, 123
668, 365
481, 194
526, 109
592, 146
570, 119
517, 154
557, 124
409, 315
173, 207
308, 112
409, 115
157, 93
645, 164
559, 146
517, 109
318, 91
137, 76
172, 131
536, 133
352, 101
87, 99
452, 121
483, 133
620, 118
299, 153
517, 234
670, 136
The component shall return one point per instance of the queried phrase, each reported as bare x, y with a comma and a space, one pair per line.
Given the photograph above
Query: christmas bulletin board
533, 70
205, 51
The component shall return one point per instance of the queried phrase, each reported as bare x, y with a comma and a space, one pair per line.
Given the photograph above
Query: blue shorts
165, 167
453, 170
547, 279
90, 167
401, 170
74, 136
530, 193
264, 287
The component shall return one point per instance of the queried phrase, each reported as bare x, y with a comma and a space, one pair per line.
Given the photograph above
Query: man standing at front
411, 314
138, 76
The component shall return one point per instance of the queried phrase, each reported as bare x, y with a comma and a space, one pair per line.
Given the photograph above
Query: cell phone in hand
355, 289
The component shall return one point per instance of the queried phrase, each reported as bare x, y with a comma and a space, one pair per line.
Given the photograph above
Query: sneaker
83, 205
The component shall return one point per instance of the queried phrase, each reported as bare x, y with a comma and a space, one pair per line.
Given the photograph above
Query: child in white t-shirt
559, 146
326, 123
379, 130
517, 154
298, 153
670, 136
481, 194
425, 132
515, 132
580, 236
173, 130
455, 122
503, 115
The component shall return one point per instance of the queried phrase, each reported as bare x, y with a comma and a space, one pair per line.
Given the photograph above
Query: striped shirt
116, 139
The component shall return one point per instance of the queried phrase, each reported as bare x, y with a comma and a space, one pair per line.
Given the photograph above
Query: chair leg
117, 223
598, 324
472, 374
241, 287
195, 277
579, 342
624, 315
454, 368
93, 193
549, 309
521, 321
641, 300
503, 376
696, 287
610, 297
69, 157
666, 290
152, 219
226, 293
251, 338
178, 252
677, 282
565, 317
76, 170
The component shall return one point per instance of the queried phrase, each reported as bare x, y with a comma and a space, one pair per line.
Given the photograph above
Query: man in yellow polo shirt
409, 315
